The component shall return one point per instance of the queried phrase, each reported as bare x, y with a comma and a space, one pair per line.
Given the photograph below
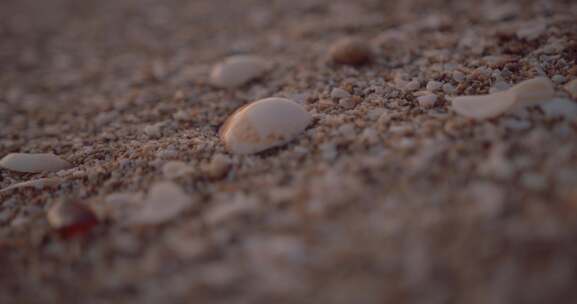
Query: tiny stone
153, 131
433, 86
413, 85
165, 201
427, 101
350, 51
338, 93
175, 169
218, 166
458, 76
448, 88
558, 79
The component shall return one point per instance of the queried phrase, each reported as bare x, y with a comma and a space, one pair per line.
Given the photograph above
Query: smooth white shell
33, 162
237, 70
264, 124
527, 93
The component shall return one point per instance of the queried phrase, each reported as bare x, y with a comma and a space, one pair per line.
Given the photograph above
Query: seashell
533, 92
264, 124
525, 94
33, 162
237, 70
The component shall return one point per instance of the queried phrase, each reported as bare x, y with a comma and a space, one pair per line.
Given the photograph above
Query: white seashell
527, 93
533, 92
39, 184
264, 124
237, 70
33, 162
164, 202
483, 106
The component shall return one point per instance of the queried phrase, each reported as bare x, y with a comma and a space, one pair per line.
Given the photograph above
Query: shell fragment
527, 93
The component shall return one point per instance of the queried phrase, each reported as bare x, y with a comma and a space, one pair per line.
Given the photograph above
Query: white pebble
164, 202
264, 124
448, 88
527, 93
33, 162
237, 70
458, 76
427, 101
175, 169
338, 93
413, 85
433, 86
153, 131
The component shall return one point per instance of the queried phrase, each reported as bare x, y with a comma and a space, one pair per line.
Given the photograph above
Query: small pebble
264, 124
558, 79
238, 70
153, 131
427, 101
338, 93
458, 76
412, 85
218, 166
448, 88
33, 162
165, 201
175, 169
71, 219
350, 51
433, 86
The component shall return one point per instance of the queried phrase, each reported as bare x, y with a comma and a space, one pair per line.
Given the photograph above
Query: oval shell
264, 124
237, 70
33, 162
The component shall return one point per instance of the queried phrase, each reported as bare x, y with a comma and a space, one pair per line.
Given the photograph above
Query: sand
380, 200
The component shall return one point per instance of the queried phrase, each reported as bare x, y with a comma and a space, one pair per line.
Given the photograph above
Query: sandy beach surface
387, 195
